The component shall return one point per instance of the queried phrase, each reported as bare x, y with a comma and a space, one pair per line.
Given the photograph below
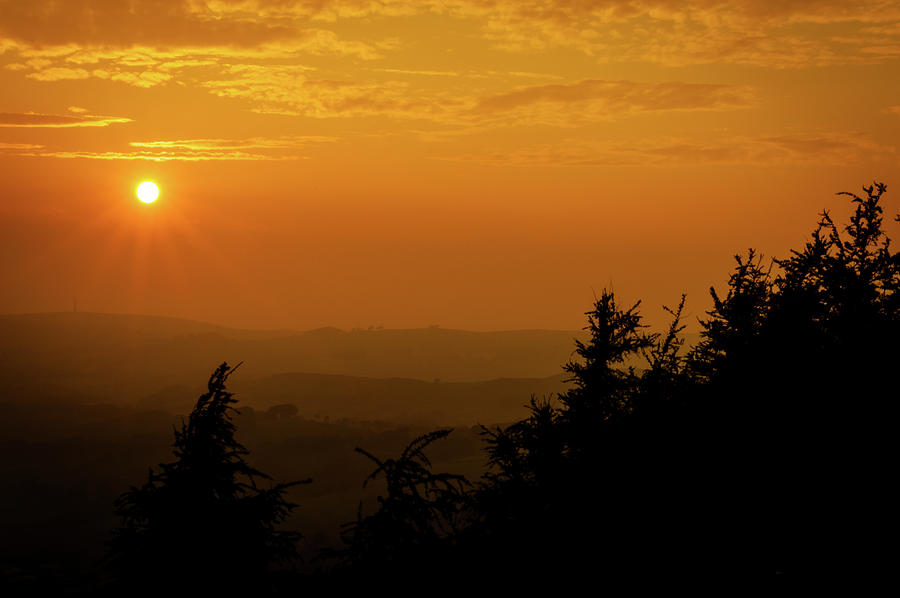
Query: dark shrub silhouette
797, 360
411, 534
202, 523
762, 450
580, 485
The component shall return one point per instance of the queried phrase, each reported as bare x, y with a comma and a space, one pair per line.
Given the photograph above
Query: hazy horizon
277, 329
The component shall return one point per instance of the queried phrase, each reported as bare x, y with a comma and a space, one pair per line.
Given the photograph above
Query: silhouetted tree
797, 362
763, 449
578, 484
413, 531
202, 524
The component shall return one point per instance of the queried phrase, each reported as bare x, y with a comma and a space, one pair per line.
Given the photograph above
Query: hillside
157, 362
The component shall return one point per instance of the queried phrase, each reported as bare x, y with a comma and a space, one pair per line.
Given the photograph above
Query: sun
147, 192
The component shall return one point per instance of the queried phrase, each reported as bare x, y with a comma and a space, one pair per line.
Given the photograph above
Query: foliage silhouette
202, 523
573, 484
416, 521
766, 447
762, 449
800, 361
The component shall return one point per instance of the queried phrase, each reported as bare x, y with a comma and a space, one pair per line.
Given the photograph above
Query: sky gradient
472, 164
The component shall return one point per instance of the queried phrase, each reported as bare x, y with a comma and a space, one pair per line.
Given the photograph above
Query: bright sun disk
147, 192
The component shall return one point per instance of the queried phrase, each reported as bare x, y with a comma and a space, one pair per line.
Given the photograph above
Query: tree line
762, 452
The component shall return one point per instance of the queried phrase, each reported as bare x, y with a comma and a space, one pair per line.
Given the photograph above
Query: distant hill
124, 358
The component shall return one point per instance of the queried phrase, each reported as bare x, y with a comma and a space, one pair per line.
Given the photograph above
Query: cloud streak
222, 145
4, 146
820, 148
161, 156
192, 150
288, 90
57, 121
594, 99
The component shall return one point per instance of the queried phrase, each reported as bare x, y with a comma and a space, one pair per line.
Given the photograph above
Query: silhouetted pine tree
802, 359
202, 524
579, 484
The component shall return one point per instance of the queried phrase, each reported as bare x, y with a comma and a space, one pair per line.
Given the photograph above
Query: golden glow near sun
147, 192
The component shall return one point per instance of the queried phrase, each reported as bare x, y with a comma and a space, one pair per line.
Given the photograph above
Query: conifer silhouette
569, 485
202, 524
797, 362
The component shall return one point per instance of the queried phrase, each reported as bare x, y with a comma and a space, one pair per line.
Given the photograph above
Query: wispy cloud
136, 41
593, 99
160, 156
268, 53
33, 119
19, 146
421, 72
824, 148
771, 33
141, 79
291, 90
58, 73
222, 145
140, 43
194, 150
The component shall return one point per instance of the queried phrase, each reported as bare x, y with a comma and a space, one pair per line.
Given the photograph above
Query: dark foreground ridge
762, 453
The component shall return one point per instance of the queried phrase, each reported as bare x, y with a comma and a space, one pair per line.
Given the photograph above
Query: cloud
194, 150
142, 79
769, 33
123, 24
221, 145
161, 156
19, 146
620, 96
593, 99
33, 119
146, 43
159, 24
420, 72
149, 67
827, 147
289, 90
765, 32
58, 74
819, 148
258, 51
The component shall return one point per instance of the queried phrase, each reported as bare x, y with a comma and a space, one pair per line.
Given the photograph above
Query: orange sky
473, 164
